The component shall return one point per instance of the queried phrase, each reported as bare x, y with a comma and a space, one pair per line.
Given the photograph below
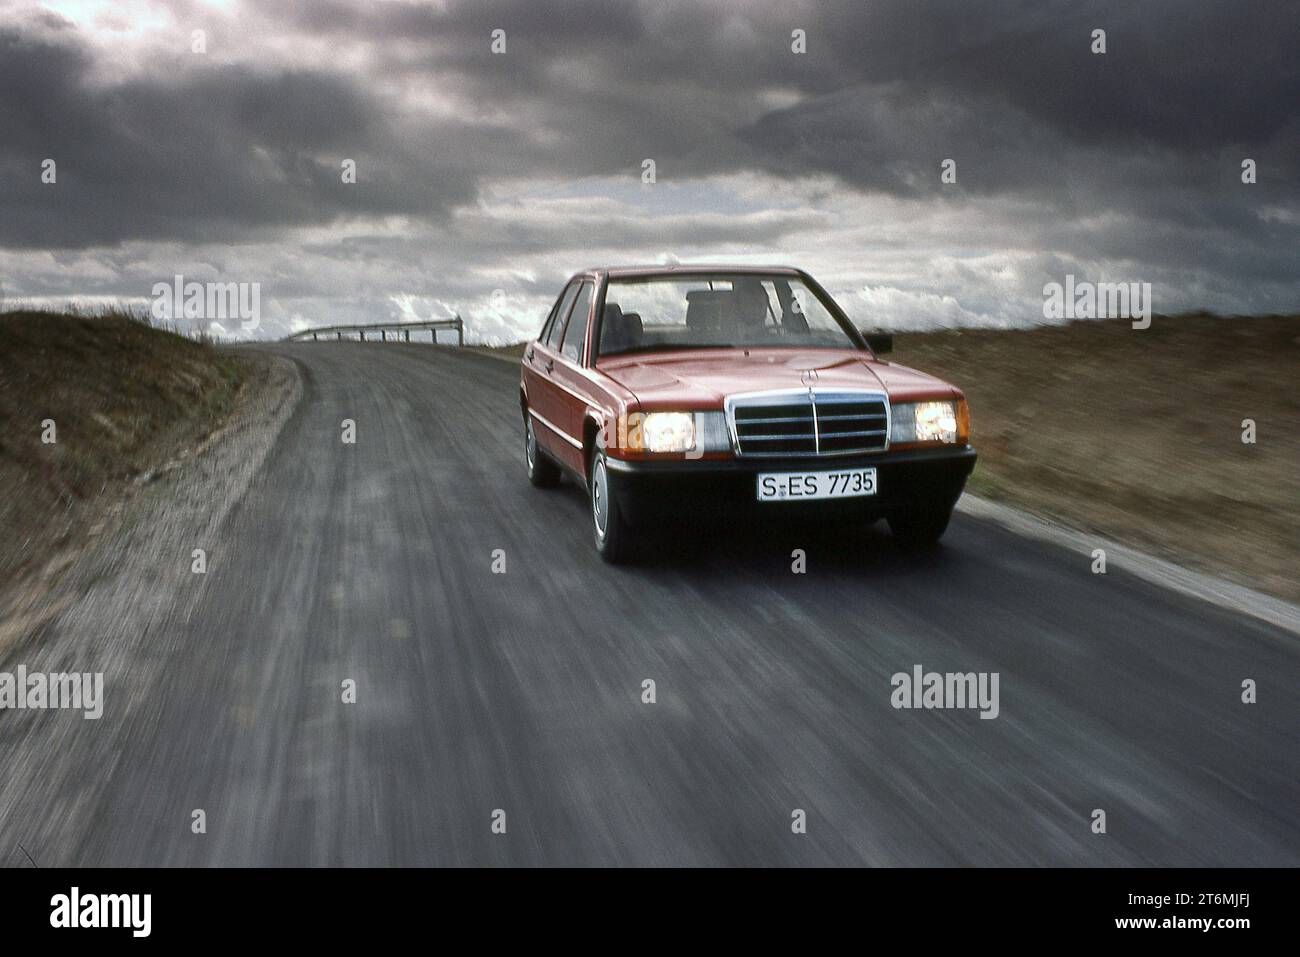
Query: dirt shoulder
1137, 434
130, 407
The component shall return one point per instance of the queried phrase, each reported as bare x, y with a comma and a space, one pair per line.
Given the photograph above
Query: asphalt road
523, 691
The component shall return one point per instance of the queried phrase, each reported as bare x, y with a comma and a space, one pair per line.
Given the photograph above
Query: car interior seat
705, 312
619, 330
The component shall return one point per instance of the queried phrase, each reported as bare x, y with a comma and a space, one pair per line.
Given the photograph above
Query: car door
569, 378
544, 404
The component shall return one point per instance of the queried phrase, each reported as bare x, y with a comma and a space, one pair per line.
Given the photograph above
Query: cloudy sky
483, 179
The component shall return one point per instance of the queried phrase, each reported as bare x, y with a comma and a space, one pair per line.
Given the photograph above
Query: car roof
689, 269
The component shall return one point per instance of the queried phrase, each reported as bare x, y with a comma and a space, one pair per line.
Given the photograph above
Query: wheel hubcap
530, 444
599, 497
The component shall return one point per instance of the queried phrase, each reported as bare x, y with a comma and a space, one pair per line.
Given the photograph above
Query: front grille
817, 423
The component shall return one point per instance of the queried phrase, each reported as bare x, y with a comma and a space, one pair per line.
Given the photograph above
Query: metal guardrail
401, 330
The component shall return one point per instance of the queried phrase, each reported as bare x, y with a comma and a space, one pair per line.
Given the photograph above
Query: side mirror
880, 342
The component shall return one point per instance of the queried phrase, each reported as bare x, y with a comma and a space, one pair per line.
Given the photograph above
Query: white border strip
1274, 611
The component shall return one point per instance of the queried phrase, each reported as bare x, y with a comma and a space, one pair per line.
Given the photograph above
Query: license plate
809, 486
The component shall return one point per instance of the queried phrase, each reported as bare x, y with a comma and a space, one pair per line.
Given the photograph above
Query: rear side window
551, 334
576, 330
550, 318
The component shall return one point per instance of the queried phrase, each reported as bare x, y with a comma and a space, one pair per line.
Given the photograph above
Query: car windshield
723, 310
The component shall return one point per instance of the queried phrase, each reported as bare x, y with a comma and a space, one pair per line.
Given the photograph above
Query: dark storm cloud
1177, 72
1018, 90
1066, 157
209, 155
887, 90
1188, 76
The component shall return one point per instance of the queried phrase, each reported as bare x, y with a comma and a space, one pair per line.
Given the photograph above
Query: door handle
530, 354
550, 364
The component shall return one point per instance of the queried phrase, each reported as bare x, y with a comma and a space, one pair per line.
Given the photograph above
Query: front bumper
651, 491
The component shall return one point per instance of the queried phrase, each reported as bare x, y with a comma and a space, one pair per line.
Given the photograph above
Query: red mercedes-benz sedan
673, 392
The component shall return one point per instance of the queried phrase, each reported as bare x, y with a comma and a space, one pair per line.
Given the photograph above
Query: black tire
921, 526
614, 537
542, 472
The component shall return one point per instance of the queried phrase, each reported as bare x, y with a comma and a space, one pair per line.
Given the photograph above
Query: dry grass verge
126, 401
1137, 434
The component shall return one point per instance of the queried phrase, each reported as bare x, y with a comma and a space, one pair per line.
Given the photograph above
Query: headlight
697, 432
668, 431
936, 422
923, 422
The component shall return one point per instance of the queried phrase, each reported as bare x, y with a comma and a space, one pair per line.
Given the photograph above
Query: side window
557, 326
550, 318
576, 331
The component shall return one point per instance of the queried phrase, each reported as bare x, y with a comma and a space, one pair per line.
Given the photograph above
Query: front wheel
613, 535
921, 526
542, 472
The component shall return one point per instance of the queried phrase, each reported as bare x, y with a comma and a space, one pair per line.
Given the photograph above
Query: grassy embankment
125, 400
1137, 434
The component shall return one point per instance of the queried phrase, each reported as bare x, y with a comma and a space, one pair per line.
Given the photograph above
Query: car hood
703, 378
